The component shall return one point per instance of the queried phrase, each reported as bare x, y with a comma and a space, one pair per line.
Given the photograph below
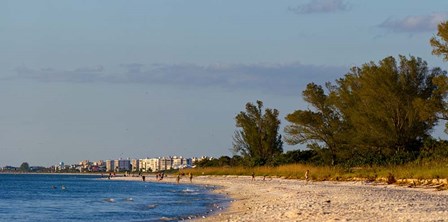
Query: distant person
307, 175
178, 178
190, 175
253, 176
157, 176
143, 178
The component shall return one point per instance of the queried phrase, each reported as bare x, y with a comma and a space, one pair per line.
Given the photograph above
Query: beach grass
427, 171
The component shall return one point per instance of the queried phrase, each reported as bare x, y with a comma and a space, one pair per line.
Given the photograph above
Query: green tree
24, 167
392, 105
440, 48
258, 140
440, 44
377, 112
322, 127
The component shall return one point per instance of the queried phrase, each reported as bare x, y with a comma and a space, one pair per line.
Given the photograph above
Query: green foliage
323, 125
433, 150
377, 114
24, 167
392, 105
223, 161
440, 44
297, 156
258, 141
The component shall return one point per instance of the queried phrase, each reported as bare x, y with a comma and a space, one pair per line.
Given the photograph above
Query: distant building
143, 164
135, 165
177, 162
9, 168
98, 166
110, 165
166, 163
149, 164
197, 159
154, 164
59, 167
84, 163
99, 163
122, 165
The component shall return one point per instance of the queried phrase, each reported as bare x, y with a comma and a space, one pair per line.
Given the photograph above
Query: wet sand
295, 200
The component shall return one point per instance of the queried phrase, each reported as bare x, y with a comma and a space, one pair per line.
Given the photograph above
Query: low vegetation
411, 173
429, 167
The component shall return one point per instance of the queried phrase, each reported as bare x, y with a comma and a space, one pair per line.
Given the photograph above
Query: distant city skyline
110, 79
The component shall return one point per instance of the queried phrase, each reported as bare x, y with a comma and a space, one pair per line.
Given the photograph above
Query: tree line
378, 113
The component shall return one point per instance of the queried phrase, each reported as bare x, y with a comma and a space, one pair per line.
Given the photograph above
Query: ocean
48, 197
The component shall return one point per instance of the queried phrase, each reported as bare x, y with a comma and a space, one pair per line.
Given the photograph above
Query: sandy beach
295, 200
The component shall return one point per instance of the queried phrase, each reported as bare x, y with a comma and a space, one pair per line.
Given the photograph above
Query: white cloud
321, 6
412, 24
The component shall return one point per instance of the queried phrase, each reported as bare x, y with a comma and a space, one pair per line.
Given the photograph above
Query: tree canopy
440, 43
322, 125
380, 110
258, 140
24, 167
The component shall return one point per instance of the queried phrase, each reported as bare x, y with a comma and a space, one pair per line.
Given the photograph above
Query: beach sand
295, 200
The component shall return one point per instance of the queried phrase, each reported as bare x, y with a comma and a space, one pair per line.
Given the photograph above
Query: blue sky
115, 79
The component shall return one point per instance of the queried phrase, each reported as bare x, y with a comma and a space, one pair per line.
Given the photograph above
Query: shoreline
277, 199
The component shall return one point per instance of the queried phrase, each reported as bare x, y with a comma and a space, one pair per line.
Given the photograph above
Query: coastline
277, 199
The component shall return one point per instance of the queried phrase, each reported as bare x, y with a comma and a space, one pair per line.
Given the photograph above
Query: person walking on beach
307, 175
143, 178
253, 176
178, 178
190, 175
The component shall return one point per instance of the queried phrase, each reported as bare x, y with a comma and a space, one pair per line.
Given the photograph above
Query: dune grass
435, 170
292, 171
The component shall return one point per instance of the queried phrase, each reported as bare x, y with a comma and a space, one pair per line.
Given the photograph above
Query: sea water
47, 197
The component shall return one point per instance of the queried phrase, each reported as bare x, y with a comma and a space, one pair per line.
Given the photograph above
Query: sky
108, 79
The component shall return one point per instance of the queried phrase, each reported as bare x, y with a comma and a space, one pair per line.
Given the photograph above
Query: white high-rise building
166, 163
154, 164
177, 162
110, 165
144, 165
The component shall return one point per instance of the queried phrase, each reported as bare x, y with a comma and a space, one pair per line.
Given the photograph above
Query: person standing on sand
253, 176
307, 175
143, 178
178, 178
190, 175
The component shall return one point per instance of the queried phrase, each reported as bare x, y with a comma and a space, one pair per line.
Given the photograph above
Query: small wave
110, 200
129, 199
151, 206
189, 191
168, 219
